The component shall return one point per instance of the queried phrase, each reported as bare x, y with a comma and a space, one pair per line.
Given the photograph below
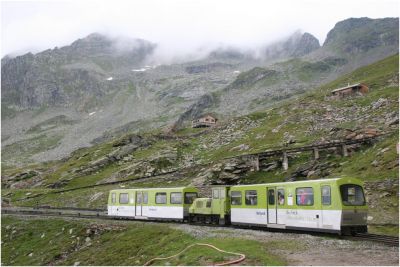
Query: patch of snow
236, 71
109, 78
92, 113
142, 69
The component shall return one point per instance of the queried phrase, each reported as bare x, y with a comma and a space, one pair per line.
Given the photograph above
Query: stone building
350, 90
204, 121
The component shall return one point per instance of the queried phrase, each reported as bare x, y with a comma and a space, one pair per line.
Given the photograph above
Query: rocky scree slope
100, 88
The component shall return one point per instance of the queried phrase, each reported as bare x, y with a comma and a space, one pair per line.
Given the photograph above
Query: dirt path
306, 249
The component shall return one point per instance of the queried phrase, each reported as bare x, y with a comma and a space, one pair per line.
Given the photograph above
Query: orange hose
241, 258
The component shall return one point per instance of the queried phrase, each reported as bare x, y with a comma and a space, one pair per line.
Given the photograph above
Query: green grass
359, 164
117, 244
7, 112
22, 150
50, 124
392, 230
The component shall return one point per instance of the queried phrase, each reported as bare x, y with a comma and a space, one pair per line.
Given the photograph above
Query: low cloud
182, 29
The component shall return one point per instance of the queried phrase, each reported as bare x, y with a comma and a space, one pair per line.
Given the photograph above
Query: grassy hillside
61, 242
200, 155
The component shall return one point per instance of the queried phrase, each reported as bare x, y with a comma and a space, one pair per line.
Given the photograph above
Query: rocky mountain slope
98, 88
200, 157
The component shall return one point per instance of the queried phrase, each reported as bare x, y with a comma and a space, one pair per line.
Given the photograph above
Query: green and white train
152, 203
327, 205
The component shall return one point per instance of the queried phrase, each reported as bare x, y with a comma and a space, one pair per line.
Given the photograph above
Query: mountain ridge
107, 93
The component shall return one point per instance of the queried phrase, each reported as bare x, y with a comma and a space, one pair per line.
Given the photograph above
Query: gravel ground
314, 250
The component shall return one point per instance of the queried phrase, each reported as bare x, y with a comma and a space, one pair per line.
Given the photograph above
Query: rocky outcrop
69, 75
296, 45
357, 35
194, 69
251, 77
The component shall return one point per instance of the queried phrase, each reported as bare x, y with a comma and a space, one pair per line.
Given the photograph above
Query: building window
113, 198
215, 193
236, 198
190, 197
305, 196
251, 197
281, 197
123, 198
326, 195
161, 198
176, 198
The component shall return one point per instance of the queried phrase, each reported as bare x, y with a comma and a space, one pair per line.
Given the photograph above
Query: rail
281, 150
389, 240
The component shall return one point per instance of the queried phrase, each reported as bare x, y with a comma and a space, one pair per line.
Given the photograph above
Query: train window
271, 197
281, 196
305, 196
326, 195
222, 193
123, 198
113, 197
251, 197
145, 197
208, 204
161, 198
215, 193
176, 198
236, 198
138, 197
352, 195
190, 197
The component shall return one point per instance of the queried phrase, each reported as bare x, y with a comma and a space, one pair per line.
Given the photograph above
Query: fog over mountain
181, 29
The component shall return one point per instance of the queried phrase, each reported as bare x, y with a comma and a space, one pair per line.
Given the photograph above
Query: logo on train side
261, 213
291, 212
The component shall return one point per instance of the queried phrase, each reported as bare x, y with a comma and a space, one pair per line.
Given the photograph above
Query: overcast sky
179, 26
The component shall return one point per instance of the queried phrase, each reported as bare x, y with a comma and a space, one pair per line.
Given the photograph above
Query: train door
139, 204
326, 203
217, 195
280, 204
271, 204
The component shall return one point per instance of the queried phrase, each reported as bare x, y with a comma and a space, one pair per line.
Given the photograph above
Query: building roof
206, 115
346, 87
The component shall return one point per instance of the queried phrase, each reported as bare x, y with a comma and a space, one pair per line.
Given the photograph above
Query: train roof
157, 188
299, 182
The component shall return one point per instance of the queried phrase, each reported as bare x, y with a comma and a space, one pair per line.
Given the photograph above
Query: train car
212, 210
328, 205
152, 203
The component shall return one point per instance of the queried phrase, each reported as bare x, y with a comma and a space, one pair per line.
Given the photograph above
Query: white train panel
318, 219
166, 212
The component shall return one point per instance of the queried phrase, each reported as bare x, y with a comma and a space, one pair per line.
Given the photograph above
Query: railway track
65, 212
389, 240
